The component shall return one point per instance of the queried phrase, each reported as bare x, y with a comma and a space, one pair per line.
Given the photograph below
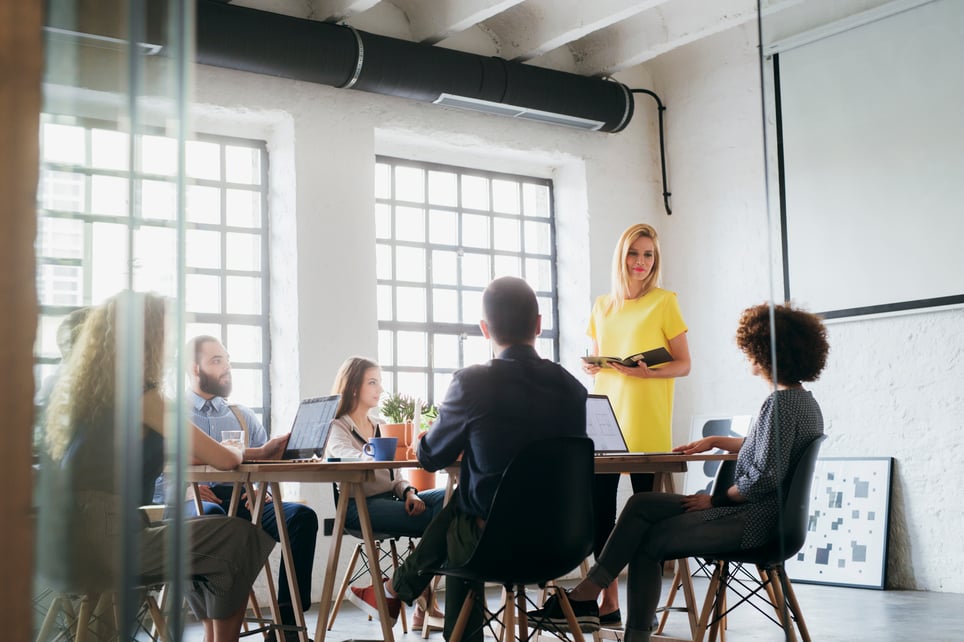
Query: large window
86, 227
442, 234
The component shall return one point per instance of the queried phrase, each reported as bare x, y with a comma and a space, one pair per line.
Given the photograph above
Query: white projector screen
871, 122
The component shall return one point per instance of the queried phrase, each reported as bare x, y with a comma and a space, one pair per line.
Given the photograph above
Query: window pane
410, 184
155, 260
247, 386
410, 264
192, 330
507, 266
475, 231
383, 180
442, 381
203, 249
383, 221
411, 305
544, 348
60, 285
108, 195
445, 267
535, 200
545, 309
203, 204
62, 191
475, 192
202, 159
471, 306
242, 165
243, 208
413, 349
46, 342
244, 251
443, 188
505, 196
158, 200
445, 306
202, 293
539, 274
477, 350
413, 383
443, 227
244, 343
409, 224
446, 351
243, 295
64, 144
476, 270
385, 347
383, 261
60, 238
537, 237
108, 149
507, 235
158, 155
108, 269
385, 310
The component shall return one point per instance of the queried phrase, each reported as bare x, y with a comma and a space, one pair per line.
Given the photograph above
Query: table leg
374, 567
288, 561
328, 586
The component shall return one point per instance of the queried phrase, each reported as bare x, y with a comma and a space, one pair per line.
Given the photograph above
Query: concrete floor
832, 614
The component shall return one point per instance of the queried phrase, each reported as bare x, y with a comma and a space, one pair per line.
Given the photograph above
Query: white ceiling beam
432, 21
334, 10
540, 26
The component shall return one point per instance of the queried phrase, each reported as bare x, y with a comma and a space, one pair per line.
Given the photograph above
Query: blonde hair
621, 279
86, 385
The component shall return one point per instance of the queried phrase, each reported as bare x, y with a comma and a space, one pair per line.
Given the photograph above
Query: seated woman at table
394, 505
82, 521
660, 526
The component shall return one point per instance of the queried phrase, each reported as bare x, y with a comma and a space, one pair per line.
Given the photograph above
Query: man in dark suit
491, 411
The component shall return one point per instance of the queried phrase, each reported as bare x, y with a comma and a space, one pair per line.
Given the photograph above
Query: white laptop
603, 428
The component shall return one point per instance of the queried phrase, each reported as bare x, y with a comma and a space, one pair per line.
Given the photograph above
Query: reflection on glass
445, 267
475, 192
63, 144
108, 149
443, 188
476, 269
471, 306
202, 160
158, 155
475, 231
243, 208
410, 264
158, 200
505, 196
203, 249
506, 233
63, 191
409, 224
243, 295
409, 184
385, 348
445, 351
539, 274
445, 305
202, 293
477, 350
443, 227
242, 165
535, 200
383, 261
243, 251
203, 204
244, 344
60, 285
538, 237
383, 221
410, 304
108, 195
442, 381
383, 181
60, 238
413, 349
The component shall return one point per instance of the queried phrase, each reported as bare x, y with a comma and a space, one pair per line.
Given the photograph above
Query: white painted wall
893, 386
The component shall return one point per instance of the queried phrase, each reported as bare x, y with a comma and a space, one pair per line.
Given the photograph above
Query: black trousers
604, 497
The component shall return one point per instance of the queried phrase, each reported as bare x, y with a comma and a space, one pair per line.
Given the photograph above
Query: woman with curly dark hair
660, 526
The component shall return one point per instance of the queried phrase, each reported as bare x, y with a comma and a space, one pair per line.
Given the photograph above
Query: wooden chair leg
794, 605
344, 585
709, 603
783, 612
570, 616
157, 617
51, 617
508, 614
463, 620
522, 616
401, 612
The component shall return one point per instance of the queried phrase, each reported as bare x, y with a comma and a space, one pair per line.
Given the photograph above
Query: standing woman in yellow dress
637, 315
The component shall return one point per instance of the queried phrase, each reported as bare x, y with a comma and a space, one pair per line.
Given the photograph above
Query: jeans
302, 532
388, 515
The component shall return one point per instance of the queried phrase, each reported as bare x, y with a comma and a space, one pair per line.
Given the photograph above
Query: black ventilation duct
340, 56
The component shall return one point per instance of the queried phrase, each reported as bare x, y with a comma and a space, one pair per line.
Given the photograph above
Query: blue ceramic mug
381, 448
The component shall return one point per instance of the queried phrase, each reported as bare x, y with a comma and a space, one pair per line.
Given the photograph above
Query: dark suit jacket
492, 410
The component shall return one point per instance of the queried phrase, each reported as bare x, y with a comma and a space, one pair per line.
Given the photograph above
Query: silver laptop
309, 433
603, 428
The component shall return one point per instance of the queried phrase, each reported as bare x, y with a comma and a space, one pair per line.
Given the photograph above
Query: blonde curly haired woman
81, 517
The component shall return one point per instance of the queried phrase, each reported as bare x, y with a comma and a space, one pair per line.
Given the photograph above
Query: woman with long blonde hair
635, 316
81, 515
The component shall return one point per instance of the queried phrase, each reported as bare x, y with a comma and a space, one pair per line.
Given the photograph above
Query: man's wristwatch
409, 488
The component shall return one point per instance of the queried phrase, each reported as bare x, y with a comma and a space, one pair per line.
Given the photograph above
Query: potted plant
400, 409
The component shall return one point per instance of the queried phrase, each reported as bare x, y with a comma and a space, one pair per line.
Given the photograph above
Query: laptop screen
310, 430
602, 427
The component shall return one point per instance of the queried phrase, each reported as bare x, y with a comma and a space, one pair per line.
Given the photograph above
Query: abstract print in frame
848, 524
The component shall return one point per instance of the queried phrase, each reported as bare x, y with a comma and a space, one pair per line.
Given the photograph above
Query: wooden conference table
350, 475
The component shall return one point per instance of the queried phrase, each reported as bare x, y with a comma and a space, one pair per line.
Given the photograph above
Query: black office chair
787, 539
539, 529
